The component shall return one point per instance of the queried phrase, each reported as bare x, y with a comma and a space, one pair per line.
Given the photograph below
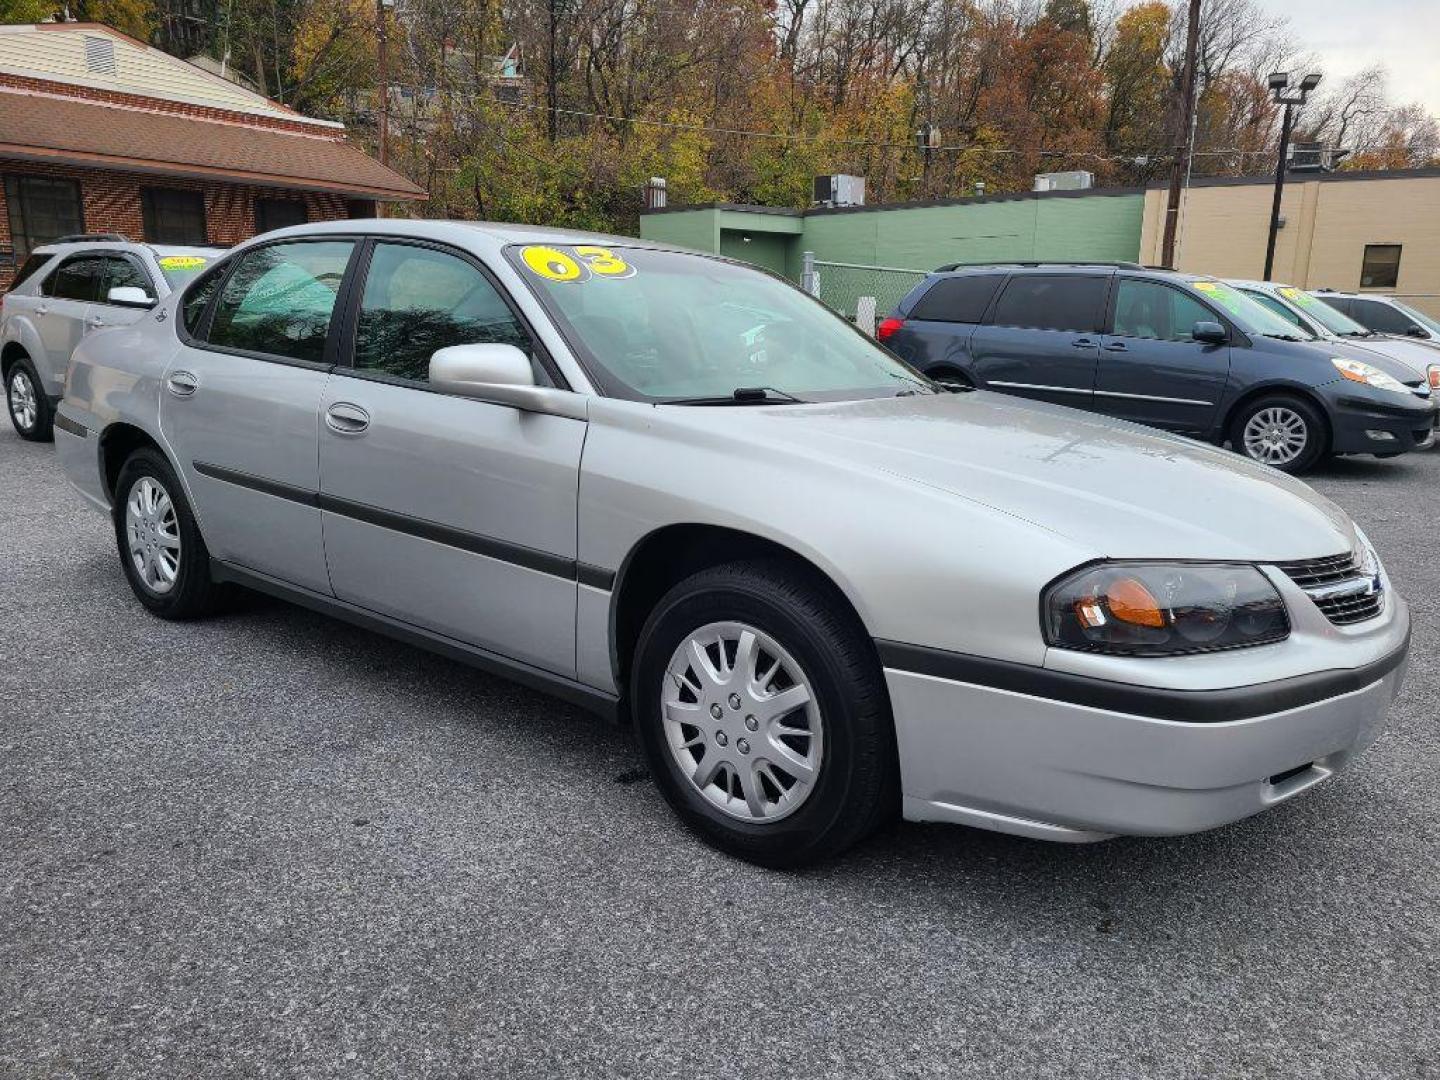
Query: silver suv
62, 292
1384, 314
676, 489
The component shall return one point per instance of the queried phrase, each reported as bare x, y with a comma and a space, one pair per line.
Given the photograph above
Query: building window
174, 216
279, 214
1381, 268
41, 210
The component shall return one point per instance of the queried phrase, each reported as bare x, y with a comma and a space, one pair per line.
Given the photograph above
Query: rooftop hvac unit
1075, 180
840, 190
1313, 157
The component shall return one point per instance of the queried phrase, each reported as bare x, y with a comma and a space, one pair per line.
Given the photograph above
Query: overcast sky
1349, 35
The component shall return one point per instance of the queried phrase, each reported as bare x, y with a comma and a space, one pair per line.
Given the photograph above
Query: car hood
1119, 489
1416, 356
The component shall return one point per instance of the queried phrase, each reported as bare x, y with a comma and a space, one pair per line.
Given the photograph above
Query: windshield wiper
1287, 337
745, 395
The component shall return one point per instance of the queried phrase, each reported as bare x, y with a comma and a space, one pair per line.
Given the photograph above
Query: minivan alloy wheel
23, 406
742, 721
152, 533
1276, 435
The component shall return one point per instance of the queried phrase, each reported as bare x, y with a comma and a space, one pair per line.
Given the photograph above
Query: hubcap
22, 400
742, 722
152, 534
1276, 436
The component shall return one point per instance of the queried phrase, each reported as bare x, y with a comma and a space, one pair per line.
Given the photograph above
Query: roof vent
100, 55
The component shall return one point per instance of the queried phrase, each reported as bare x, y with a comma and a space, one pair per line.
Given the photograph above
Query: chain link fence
846, 287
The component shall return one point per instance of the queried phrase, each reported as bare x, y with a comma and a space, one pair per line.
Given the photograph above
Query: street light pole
1279, 83
1285, 128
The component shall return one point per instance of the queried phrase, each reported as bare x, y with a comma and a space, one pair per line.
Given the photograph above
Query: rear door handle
1084, 343
1117, 346
42, 309
182, 383
343, 418
95, 321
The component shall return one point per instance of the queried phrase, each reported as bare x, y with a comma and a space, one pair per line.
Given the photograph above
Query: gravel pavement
270, 845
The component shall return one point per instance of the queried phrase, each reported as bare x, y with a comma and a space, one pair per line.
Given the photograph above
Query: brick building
101, 133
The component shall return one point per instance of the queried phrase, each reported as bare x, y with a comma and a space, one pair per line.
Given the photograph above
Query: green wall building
1100, 224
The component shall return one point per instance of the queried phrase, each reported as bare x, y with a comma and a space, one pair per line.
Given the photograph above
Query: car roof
488, 233
159, 250
1028, 267
1352, 295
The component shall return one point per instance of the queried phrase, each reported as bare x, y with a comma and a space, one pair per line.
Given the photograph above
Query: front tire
161, 550
30, 409
1282, 431
762, 711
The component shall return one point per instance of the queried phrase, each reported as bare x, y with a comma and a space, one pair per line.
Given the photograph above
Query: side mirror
501, 375
130, 296
1414, 330
1209, 333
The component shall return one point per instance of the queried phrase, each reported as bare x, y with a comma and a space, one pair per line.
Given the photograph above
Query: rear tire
1283, 431
30, 409
161, 550
780, 751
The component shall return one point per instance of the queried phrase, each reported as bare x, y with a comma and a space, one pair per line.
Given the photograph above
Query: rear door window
76, 279
279, 299
1051, 302
957, 299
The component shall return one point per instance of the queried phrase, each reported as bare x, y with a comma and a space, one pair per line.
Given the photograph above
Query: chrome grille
1340, 586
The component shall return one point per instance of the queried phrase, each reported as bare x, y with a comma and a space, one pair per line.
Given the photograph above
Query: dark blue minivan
1177, 351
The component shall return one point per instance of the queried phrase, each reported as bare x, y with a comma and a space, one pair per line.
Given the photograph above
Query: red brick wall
111, 202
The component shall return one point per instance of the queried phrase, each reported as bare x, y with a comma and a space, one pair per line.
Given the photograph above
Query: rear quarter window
28, 269
957, 299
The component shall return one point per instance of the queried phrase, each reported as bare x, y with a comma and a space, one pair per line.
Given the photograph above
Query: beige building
1359, 231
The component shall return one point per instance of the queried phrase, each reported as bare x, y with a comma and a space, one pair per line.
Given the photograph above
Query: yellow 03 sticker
181, 262
604, 262
552, 264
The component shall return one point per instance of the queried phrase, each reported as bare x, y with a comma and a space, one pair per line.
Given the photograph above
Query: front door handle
1117, 346
42, 309
1084, 343
95, 321
343, 418
182, 383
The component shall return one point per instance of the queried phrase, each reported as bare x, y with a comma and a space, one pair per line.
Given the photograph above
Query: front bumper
1362, 426
1107, 760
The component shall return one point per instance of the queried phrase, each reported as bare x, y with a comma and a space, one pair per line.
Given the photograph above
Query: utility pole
383, 63
552, 91
1184, 134
1279, 83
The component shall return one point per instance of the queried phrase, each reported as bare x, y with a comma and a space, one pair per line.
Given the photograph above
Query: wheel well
13, 351
941, 372
117, 443
1277, 391
667, 556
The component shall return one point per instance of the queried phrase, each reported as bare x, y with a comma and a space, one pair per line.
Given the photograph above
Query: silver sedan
678, 491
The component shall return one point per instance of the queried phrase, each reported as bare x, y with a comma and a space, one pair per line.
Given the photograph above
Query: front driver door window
241, 405
1152, 369
446, 512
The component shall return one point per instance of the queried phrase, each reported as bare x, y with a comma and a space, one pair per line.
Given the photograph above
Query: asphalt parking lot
270, 845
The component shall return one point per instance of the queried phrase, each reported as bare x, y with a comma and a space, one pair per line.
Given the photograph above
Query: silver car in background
70, 288
675, 489
1313, 315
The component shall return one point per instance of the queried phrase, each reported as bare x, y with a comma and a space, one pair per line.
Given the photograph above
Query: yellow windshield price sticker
1205, 286
584, 262
1289, 293
181, 262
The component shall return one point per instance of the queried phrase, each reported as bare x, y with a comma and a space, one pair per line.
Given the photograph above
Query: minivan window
279, 299
418, 300
1147, 309
958, 299
1051, 302
77, 279
1248, 315
1381, 317
1268, 302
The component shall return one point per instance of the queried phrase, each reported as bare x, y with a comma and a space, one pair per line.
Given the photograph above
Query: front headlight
1355, 371
1160, 609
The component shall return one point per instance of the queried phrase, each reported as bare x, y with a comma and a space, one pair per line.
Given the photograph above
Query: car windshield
1249, 314
668, 326
180, 269
1337, 322
1420, 317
